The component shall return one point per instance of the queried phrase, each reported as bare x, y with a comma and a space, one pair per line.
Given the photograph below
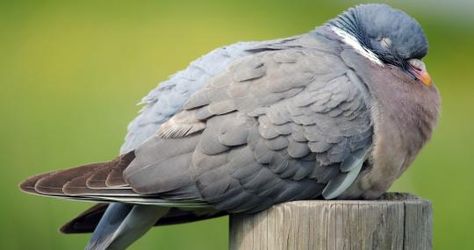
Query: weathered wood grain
396, 221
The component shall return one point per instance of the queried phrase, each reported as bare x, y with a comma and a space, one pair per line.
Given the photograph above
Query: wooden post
396, 221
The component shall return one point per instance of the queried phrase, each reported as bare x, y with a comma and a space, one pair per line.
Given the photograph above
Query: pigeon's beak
418, 69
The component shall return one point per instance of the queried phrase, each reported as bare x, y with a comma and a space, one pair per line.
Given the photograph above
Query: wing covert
278, 125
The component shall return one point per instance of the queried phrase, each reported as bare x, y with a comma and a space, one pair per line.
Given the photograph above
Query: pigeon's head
386, 35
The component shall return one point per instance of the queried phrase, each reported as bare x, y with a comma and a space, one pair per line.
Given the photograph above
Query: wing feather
283, 121
298, 132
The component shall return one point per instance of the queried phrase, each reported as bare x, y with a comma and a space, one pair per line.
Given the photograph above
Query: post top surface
387, 198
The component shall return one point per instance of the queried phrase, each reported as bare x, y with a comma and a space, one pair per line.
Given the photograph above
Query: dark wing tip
28, 185
73, 181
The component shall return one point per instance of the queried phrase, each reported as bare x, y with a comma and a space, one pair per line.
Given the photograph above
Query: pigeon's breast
404, 113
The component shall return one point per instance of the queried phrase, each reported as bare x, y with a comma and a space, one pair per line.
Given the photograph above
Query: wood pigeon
337, 113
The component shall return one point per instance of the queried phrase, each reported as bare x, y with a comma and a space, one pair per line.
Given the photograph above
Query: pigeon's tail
122, 224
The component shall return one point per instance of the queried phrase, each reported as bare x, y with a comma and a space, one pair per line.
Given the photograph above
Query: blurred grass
71, 72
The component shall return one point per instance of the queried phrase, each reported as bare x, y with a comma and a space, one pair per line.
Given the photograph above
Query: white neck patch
352, 41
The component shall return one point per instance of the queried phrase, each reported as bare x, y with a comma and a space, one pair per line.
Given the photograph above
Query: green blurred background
72, 72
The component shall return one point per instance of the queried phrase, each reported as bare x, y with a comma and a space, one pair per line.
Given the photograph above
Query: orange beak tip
425, 78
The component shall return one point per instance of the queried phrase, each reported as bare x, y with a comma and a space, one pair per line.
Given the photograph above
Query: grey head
391, 34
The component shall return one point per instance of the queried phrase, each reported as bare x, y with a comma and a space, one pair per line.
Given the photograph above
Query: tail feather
122, 224
87, 221
119, 224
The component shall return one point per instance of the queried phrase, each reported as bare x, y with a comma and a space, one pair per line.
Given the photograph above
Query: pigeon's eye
385, 42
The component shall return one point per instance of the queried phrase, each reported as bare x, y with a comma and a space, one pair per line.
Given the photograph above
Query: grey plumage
169, 97
326, 114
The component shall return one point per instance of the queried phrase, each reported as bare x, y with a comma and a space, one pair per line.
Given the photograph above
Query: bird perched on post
336, 113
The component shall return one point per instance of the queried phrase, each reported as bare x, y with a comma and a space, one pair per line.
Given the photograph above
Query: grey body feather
245, 139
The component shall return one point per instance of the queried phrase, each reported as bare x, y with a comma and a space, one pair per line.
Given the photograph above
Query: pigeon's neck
348, 25
351, 40
348, 37
347, 21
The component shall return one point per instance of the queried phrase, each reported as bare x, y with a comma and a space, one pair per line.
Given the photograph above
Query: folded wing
283, 123
278, 125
